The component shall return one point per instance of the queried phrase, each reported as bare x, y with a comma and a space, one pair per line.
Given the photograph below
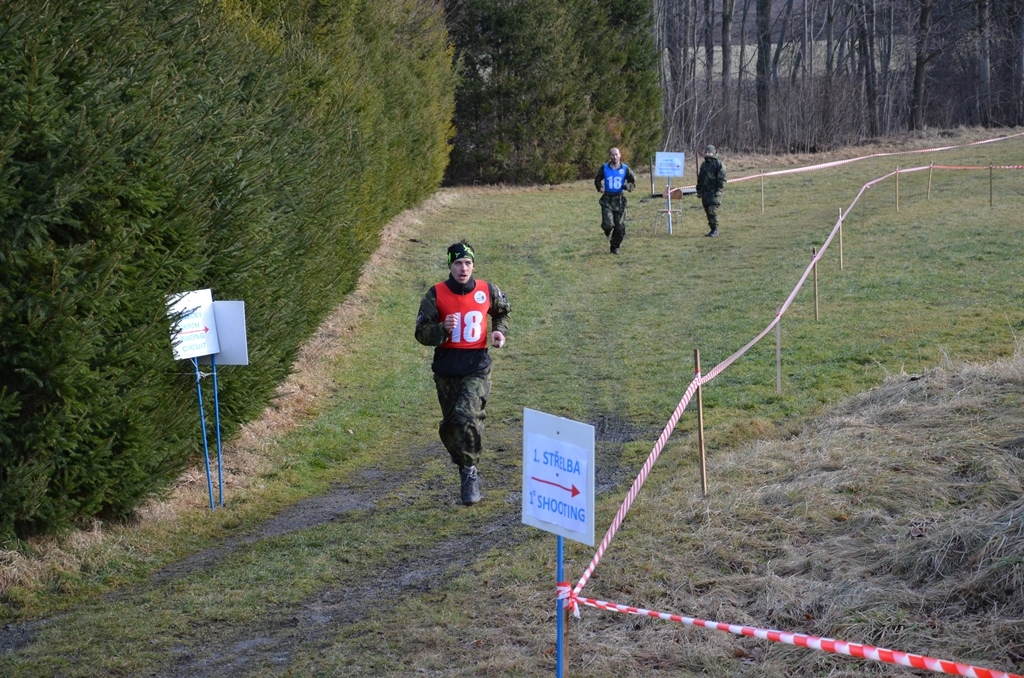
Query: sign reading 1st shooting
558, 476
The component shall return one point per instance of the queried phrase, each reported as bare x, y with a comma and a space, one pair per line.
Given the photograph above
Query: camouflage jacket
430, 331
711, 177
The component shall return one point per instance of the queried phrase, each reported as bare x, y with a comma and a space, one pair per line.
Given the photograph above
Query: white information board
558, 476
194, 333
669, 164
234, 348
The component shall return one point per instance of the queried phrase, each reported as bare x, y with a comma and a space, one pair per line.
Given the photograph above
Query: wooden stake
778, 351
840, 238
762, 191
990, 185
814, 255
566, 616
897, 188
931, 166
700, 427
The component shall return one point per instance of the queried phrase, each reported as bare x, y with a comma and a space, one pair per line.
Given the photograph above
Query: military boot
470, 485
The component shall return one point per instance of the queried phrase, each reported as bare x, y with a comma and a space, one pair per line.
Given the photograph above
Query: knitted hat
460, 250
709, 150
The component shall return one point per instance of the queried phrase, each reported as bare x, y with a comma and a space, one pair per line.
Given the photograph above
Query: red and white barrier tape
837, 163
715, 371
639, 482
878, 654
572, 594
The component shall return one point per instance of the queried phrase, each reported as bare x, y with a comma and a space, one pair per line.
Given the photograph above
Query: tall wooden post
778, 350
700, 427
762, 191
897, 188
814, 256
840, 238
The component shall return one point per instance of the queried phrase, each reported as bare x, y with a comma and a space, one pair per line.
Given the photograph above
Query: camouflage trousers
462, 401
613, 217
711, 204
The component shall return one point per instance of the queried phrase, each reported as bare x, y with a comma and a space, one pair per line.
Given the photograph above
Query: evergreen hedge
149, 147
546, 88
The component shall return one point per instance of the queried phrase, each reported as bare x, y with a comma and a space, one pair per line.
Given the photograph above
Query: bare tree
764, 46
1017, 41
866, 40
743, 64
984, 102
784, 22
709, 47
921, 58
728, 6
887, 65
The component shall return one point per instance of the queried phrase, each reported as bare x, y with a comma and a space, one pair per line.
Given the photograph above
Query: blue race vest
614, 179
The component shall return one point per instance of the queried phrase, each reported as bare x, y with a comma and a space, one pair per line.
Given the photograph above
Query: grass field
875, 500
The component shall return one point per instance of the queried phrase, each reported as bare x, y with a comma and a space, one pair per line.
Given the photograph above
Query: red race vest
471, 309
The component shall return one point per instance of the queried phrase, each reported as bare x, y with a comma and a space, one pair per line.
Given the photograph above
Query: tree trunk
984, 64
728, 7
866, 22
764, 46
1017, 40
742, 68
917, 103
693, 111
782, 41
709, 47
885, 61
830, 17
845, 43
671, 18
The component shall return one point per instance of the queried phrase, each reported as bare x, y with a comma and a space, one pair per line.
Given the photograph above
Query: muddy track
270, 643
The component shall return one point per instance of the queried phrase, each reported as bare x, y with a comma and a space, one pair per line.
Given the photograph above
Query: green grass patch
599, 339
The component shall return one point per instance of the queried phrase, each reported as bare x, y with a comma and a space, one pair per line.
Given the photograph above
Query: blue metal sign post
560, 615
202, 425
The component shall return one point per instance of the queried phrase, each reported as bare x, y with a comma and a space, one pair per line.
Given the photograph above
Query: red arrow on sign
205, 329
572, 489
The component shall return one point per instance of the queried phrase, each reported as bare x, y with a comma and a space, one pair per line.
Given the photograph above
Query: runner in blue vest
611, 181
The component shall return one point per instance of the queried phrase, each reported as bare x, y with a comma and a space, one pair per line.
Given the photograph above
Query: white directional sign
234, 348
195, 332
669, 164
558, 476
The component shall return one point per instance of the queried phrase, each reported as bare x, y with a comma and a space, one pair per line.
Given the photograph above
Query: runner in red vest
453, 319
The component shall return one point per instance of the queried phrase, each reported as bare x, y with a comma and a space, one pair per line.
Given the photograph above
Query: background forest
807, 75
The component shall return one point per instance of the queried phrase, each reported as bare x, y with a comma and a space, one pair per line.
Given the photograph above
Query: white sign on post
669, 164
558, 476
194, 333
234, 348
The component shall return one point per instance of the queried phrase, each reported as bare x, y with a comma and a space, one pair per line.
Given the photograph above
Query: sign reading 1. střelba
558, 476
669, 164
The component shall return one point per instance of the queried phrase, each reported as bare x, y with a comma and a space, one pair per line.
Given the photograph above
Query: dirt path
270, 642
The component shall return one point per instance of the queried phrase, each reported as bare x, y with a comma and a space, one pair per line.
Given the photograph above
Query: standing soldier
612, 179
710, 182
453, 319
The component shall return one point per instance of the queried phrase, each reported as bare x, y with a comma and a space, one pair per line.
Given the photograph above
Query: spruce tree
546, 88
